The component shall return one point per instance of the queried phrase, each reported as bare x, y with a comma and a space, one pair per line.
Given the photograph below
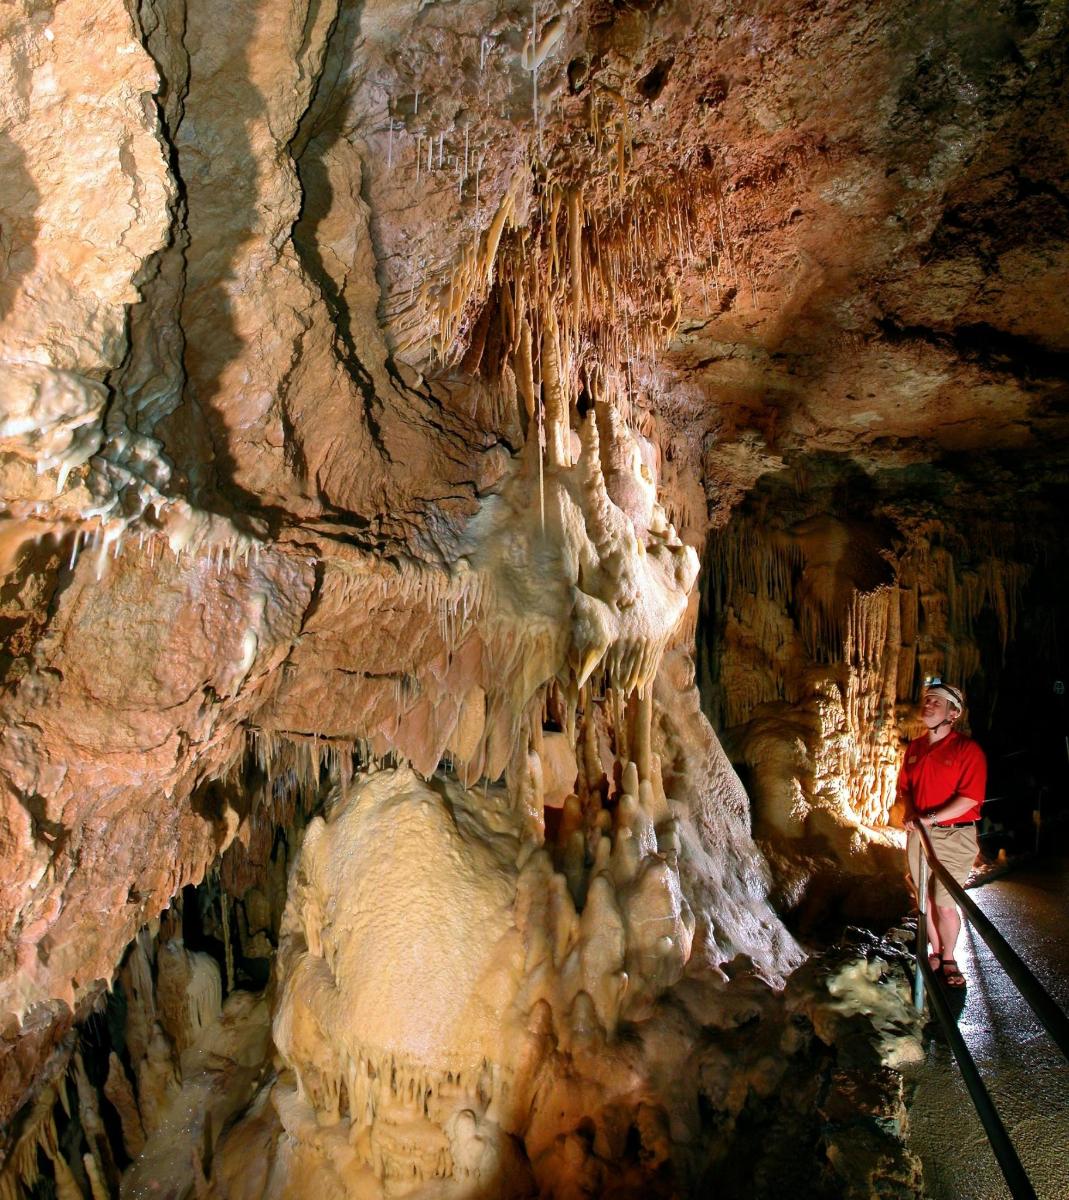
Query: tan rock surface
84, 191
200, 650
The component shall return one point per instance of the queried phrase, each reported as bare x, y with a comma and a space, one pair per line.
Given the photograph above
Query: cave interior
483, 487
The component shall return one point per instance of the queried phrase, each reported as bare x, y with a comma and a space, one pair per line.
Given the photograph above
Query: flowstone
473, 1013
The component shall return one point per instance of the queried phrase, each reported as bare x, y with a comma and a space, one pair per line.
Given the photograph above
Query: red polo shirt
932, 773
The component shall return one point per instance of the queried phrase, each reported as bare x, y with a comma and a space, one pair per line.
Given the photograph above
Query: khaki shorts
956, 850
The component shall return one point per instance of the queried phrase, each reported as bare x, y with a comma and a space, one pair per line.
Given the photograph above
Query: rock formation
377, 381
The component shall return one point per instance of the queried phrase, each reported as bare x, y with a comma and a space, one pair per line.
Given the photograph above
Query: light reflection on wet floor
1025, 1073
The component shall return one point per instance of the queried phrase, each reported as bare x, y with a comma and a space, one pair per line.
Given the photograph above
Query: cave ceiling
872, 241
854, 215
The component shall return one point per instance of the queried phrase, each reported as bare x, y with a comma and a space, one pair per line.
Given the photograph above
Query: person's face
935, 709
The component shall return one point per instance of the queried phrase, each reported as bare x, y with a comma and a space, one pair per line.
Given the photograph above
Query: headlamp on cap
951, 694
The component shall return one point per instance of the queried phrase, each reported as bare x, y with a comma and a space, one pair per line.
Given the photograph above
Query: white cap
951, 694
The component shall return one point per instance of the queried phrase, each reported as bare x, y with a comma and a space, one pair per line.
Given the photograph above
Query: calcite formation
372, 378
509, 968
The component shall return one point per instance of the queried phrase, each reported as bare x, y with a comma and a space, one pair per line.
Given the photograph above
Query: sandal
952, 977
935, 962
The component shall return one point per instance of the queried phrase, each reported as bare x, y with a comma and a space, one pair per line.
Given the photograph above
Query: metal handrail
1053, 1019
1001, 1144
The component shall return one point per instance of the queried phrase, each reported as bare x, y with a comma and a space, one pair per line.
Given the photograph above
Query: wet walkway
1026, 1075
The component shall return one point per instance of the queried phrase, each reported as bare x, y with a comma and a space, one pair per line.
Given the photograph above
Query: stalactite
93, 1127
881, 639
21, 1171
554, 404
119, 1091
228, 949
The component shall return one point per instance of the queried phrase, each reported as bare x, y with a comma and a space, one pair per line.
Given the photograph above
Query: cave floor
1024, 1072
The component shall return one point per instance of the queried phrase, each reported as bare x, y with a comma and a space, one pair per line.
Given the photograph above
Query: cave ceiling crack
320, 114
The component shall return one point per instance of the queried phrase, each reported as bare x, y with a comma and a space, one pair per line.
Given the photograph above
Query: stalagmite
97, 1186
188, 991
66, 1185
93, 1124
118, 1090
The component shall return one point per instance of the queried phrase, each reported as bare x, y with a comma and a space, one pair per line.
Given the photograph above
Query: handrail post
922, 930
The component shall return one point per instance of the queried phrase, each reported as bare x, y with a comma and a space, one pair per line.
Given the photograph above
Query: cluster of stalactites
782, 614
947, 602
356, 1084
607, 927
163, 526
562, 290
931, 592
624, 574
871, 649
607, 279
39, 1133
38, 1144
572, 574
295, 764
173, 998
37, 1138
